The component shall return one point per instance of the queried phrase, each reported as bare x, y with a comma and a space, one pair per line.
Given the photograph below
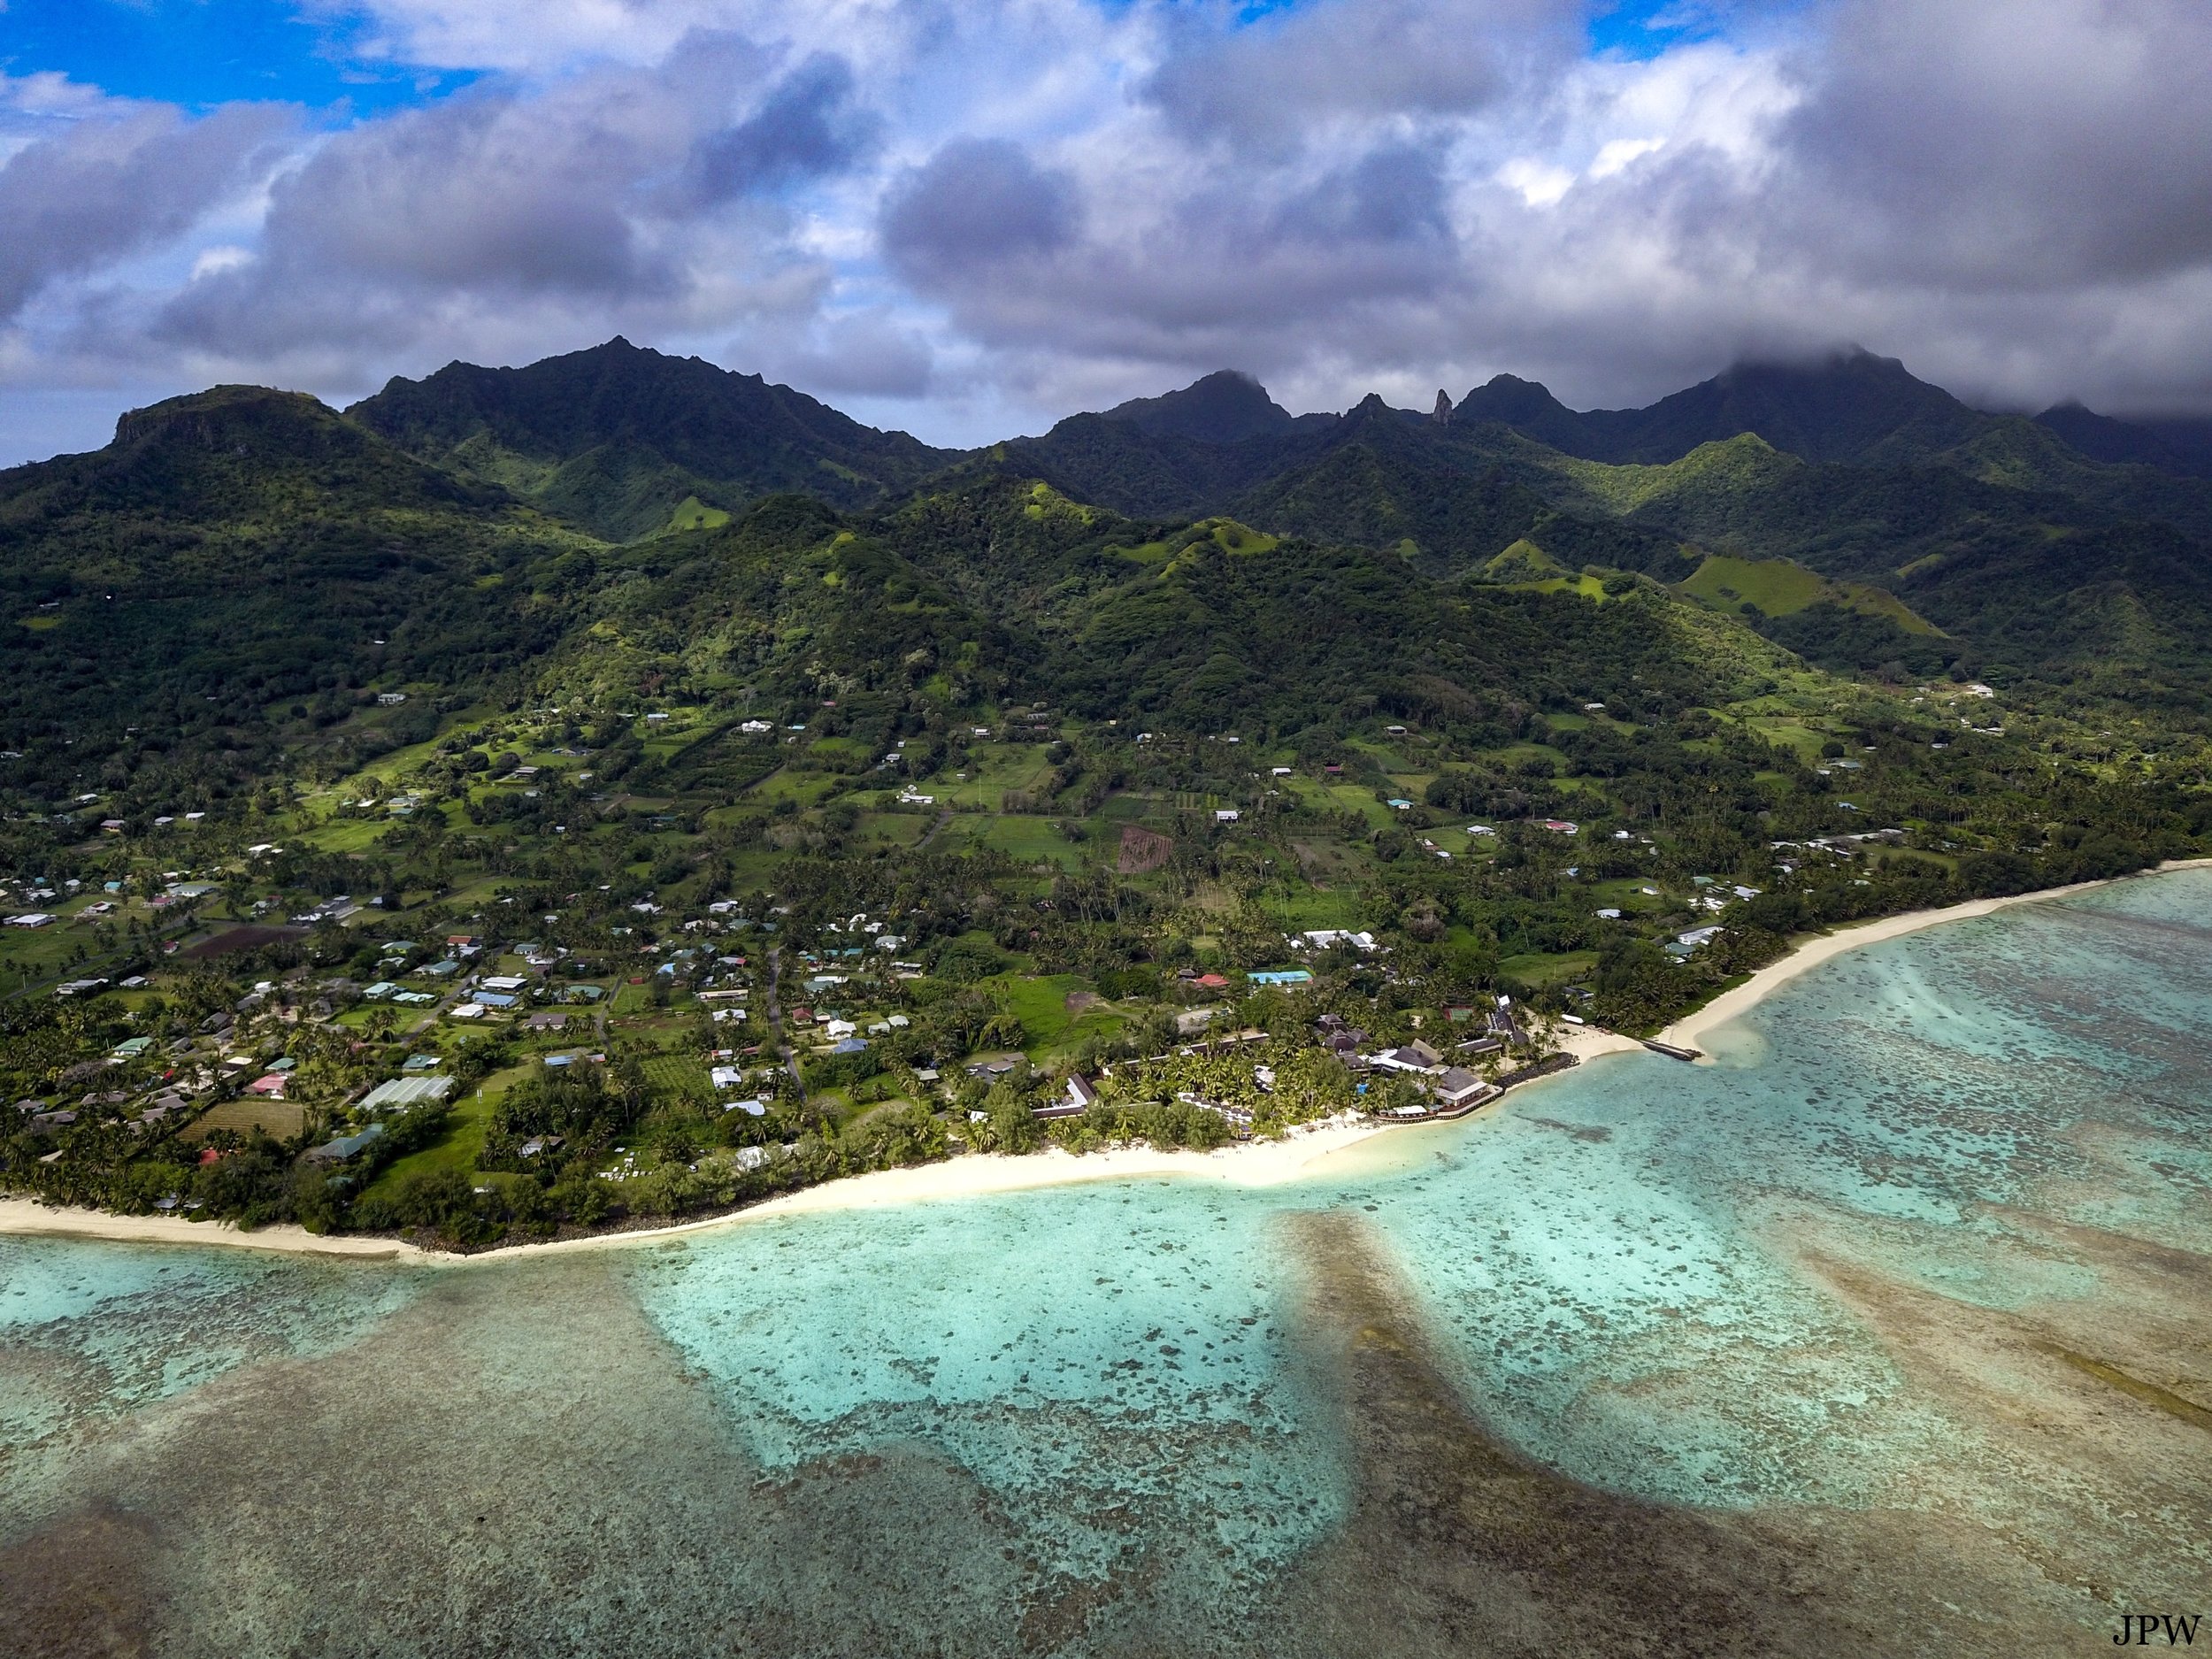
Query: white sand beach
27, 1218
1252, 1163
1586, 1043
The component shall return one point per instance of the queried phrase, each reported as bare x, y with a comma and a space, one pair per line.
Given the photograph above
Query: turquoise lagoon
1914, 1281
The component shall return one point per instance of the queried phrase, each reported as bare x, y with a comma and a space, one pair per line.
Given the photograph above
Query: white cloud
222, 258
1617, 153
1538, 183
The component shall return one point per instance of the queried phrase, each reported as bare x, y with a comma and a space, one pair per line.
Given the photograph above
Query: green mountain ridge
485, 523
614, 437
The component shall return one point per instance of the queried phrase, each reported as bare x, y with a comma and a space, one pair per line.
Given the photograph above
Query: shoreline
1256, 1163
1733, 1004
27, 1218
1252, 1163
978, 1175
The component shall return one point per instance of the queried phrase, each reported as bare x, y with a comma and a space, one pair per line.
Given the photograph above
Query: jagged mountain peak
1227, 406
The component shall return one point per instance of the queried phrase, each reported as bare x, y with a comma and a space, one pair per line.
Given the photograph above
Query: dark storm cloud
2016, 199
595, 193
1311, 64
115, 182
809, 126
1394, 195
1259, 270
976, 207
2022, 145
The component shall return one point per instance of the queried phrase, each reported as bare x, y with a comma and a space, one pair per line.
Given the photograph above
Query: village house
1459, 1088
1415, 1058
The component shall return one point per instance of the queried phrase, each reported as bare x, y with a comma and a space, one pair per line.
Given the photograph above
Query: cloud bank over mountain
960, 218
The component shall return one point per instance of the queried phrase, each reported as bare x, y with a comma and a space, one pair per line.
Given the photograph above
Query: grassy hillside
1781, 588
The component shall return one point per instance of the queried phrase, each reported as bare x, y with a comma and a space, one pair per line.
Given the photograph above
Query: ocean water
1893, 1327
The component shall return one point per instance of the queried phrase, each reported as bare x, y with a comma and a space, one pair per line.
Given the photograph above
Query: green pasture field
693, 514
463, 1142
1537, 970
346, 836
1128, 807
1300, 907
1040, 1004
808, 788
1781, 588
680, 1075
1343, 797
1585, 587
902, 829
1788, 732
993, 770
1624, 892
1034, 840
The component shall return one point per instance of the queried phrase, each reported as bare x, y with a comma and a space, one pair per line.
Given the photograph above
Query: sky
968, 217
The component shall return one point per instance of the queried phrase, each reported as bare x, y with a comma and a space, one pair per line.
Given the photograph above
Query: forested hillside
215, 585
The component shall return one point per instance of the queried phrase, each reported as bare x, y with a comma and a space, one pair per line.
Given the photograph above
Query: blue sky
968, 217
201, 53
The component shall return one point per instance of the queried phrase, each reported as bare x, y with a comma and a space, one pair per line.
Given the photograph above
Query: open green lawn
1299, 908
463, 1141
808, 788
1536, 969
1341, 797
1626, 893
346, 835
1040, 1004
47, 952
1034, 840
903, 829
